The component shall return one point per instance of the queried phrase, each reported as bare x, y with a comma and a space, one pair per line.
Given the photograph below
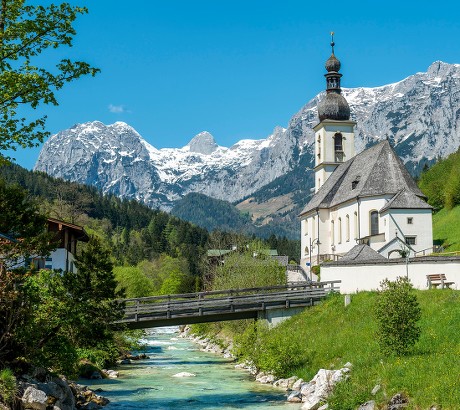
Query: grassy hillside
330, 334
446, 228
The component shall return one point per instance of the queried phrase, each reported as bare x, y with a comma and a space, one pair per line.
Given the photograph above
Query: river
149, 384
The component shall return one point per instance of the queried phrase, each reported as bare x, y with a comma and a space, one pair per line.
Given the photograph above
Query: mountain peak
203, 143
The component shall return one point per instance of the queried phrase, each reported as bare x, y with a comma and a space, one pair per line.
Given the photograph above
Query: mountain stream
149, 383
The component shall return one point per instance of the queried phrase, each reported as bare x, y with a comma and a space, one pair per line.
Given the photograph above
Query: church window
347, 221
340, 230
338, 147
374, 223
306, 251
313, 230
305, 227
410, 240
410, 221
332, 233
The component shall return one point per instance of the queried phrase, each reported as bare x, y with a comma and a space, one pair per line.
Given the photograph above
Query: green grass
446, 228
329, 335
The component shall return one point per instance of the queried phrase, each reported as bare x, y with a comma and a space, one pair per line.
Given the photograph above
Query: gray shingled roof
378, 171
361, 253
406, 199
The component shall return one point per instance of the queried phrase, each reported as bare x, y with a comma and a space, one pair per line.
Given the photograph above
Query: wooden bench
436, 279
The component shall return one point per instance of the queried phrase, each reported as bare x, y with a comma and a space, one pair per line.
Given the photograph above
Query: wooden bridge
222, 305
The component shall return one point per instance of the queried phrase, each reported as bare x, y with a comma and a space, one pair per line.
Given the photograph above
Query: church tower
334, 135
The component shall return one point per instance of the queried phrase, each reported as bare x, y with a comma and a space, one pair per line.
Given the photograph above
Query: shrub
397, 312
8, 386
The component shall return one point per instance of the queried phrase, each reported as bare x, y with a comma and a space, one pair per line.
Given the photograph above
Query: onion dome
332, 63
333, 106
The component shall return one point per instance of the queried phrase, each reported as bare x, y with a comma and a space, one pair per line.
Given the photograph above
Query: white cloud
117, 109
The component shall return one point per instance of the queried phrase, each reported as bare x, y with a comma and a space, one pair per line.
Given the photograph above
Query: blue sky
236, 68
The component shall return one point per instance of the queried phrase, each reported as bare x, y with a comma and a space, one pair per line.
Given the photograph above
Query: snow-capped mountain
420, 115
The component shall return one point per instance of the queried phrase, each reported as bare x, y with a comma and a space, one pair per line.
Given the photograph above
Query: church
369, 198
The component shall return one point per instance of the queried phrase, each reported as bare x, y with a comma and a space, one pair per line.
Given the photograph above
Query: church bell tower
334, 135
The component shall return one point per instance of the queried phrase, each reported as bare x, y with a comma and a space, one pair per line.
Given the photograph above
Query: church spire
333, 106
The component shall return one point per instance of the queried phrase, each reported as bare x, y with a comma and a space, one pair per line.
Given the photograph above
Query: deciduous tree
26, 32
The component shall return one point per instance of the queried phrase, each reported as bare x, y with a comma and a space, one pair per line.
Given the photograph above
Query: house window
340, 230
410, 240
410, 221
347, 219
374, 223
332, 233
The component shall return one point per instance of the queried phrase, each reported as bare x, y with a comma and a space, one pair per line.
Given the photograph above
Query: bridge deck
169, 310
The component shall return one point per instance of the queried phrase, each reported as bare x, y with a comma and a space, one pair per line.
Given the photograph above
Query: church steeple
334, 135
333, 106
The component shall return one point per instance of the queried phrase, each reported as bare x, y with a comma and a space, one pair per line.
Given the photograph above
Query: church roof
406, 199
376, 171
361, 253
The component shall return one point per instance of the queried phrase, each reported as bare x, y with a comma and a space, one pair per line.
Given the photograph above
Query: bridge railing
200, 301
327, 285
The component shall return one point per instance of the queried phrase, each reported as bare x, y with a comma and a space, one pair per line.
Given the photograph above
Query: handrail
232, 292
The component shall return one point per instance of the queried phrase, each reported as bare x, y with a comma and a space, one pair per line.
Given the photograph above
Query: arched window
340, 231
374, 215
338, 147
347, 221
332, 233
307, 252
313, 230
305, 226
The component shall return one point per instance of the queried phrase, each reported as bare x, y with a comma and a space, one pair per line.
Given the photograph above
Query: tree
92, 291
26, 31
23, 228
397, 312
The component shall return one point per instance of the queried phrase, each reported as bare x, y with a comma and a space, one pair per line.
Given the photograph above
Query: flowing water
149, 384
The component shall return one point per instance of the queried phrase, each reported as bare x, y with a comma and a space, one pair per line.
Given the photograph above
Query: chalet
67, 237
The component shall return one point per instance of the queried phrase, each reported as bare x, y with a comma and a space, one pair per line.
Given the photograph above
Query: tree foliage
397, 312
27, 79
441, 183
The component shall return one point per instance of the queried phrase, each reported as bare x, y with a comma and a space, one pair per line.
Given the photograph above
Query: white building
369, 198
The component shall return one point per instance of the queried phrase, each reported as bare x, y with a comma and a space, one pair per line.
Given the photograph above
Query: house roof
218, 252
361, 253
376, 171
394, 240
78, 230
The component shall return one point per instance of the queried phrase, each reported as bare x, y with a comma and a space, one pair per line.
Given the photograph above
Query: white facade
358, 219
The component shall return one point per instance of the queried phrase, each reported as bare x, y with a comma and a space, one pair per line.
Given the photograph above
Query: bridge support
274, 317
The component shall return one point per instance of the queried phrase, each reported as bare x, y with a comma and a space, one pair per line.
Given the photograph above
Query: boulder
35, 399
298, 385
295, 397
398, 401
369, 405
313, 403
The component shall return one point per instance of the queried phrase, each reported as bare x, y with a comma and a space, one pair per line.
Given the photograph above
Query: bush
8, 386
397, 312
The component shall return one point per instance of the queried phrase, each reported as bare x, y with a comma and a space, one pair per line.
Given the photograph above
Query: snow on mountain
420, 115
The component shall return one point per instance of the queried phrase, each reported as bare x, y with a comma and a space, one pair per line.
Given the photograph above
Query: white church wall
361, 277
420, 228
